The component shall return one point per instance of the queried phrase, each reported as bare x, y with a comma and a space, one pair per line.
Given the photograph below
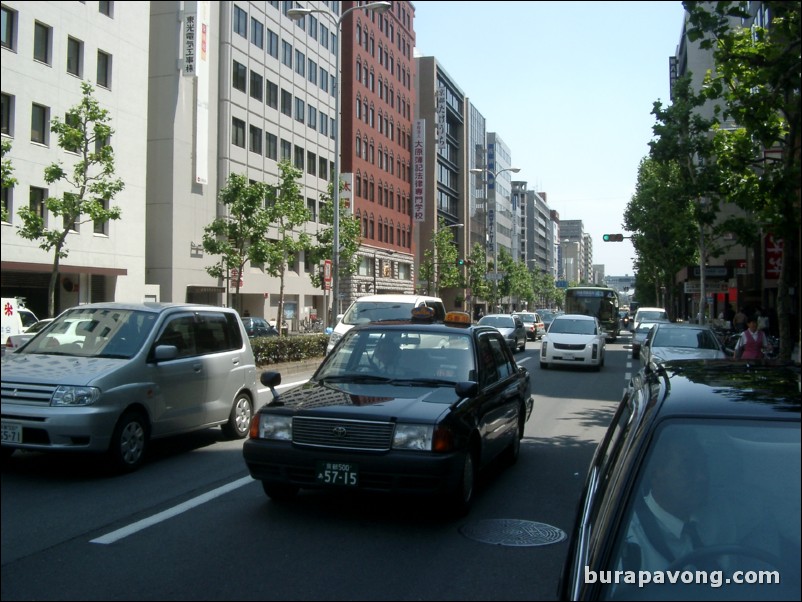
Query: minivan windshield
362, 312
94, 332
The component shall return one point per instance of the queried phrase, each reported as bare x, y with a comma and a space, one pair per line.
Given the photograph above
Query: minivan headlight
66, 395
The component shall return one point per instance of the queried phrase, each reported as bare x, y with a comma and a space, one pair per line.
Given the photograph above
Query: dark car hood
402, 401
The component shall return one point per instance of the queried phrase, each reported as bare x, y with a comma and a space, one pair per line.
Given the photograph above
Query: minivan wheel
129, 441
239, 421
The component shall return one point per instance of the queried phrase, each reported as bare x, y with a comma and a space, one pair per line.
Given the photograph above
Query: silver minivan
109, 377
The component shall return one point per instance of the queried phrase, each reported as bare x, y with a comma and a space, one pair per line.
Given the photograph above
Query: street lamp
495, 174
296, 14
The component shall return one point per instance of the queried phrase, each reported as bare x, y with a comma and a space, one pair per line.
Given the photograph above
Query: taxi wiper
423, 382
355, 377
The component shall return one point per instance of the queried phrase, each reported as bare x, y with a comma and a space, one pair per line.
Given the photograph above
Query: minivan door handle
197, 367
235, 361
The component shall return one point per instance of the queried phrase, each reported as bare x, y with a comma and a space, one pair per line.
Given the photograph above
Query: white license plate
337, 473
11, 432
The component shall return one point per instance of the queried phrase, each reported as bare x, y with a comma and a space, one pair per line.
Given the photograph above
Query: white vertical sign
202, 93
441, 118
347, 191
419, 171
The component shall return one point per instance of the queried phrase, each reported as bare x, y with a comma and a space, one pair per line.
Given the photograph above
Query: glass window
311, 163
286, 53
41, 42
255, 140
8, 28
39, 121
36, 201
312, 120
300, 110
272, 95
299, 158
237, 132
286, 103
300, 63
104, 7
103, 69
272, 147
272, 43
6, 114
240, 22
257, 33
312, 72
239, 76
75, 51
257, 89
286, 150
101, 226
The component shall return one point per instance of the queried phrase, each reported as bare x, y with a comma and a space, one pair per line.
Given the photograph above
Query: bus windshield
598, 301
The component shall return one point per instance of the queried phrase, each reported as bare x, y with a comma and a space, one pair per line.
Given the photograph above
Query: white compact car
574, 340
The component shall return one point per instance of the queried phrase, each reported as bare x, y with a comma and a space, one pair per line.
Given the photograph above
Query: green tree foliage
287, 212
478, 286
9, 181
663, 224
84, 133
439, 265
350, 238
239, 236
757, 76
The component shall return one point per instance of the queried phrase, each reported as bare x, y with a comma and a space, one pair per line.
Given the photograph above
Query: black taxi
694, 491
402, 407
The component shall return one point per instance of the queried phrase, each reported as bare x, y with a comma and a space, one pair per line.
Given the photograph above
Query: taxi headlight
275, 427
413, 436
66, 395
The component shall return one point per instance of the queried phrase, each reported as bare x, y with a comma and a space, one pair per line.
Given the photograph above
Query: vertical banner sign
441, 119
190, 38
773, 257
202, 93
418, 171
347, 191
327, 275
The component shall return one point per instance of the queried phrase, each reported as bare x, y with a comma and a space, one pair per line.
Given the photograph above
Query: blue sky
569, 87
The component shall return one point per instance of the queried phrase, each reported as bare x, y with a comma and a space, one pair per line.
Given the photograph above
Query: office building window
42, 35
272, 95
272, 146
75, 59
7, 114
6, 192
257, 33
313, 27
299, 158
272, 43
312, 121
103, 69
239, 76
36, 201
286, 53
322, 168
286, 103
286, 150
102, 226
105, 7
324, 80
324, 124
40, 117
240, 22
257, 88
256, 140
237, 132
311, 163
312, 72
300, 63
8, 28
300, 110
324, 36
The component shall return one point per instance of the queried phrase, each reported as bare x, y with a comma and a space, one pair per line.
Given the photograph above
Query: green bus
598, 301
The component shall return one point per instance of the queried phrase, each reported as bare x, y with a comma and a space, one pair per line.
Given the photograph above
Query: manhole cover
513, 532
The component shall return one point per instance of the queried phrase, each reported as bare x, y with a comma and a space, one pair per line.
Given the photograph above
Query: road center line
170, 512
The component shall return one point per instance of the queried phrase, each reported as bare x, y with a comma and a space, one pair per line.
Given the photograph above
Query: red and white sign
773, 257
327, 275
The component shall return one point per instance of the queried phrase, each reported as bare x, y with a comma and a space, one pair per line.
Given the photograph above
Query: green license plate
337, 473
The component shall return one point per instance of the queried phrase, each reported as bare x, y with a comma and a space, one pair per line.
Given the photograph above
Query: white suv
376, 308
649, 314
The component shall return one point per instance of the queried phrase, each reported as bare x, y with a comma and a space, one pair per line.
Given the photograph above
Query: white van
16, 317
110, 377
376, 308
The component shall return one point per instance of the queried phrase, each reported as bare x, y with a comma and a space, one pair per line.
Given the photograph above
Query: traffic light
460, 263
613, 238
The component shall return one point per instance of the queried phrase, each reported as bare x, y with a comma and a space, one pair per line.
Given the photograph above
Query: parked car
258, 327
639, 335
123, 374
389, 410
705, 446
15, 341
666, 341
574, 340
649, 314
510, 327
376, 308
535, 329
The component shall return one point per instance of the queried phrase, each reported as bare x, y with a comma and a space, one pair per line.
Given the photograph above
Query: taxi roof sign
423, 312
455, 318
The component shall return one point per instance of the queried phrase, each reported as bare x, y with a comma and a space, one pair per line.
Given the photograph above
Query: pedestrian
739, 320
753, 344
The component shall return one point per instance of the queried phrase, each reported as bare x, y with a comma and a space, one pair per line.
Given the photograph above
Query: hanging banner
418, 170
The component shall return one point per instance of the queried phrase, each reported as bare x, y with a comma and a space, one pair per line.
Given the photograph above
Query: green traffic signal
460, 263
613, 238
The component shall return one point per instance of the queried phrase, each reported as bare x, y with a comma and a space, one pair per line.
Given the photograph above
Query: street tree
89, 187
239, 235
757, 76
478, 286
439, 265
287, 212
9, 181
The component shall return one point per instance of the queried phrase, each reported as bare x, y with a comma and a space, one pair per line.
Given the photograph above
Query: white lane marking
170, 512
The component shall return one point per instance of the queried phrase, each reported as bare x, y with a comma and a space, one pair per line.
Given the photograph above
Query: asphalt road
192, 525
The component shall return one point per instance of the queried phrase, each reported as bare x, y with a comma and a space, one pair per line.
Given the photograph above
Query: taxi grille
342, 434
